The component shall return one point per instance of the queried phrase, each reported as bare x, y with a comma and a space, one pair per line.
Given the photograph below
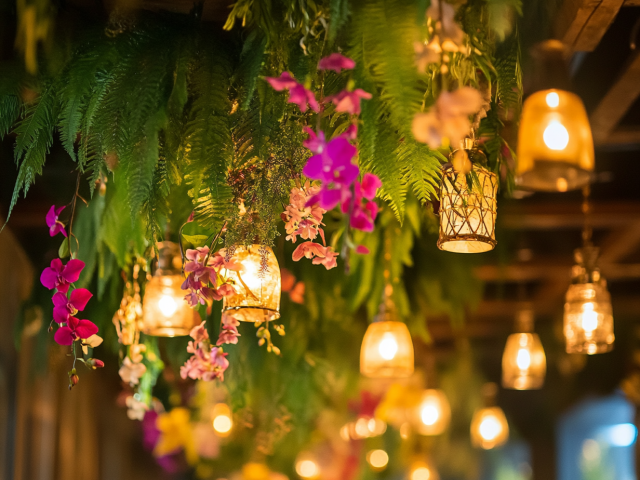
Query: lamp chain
587, 230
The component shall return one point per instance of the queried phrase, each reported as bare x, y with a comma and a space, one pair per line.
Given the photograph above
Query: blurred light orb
388, 346
556, 136
621, 435
222, 421
387, 351
307, 468
553, 99
167, 305
378, 459
430, 414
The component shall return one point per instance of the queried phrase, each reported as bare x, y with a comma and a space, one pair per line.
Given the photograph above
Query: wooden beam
621, 136
617, 101
581, 24
631, 3
545, 270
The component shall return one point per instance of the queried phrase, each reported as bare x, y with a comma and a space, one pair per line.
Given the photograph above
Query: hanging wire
587, 229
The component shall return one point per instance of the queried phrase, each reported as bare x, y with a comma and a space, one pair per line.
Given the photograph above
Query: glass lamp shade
387, 351
433, 414
421, 470
468, 209
307, 466
555, 146
489, 428
524, 364
588, 320
222, 420
165, 313
257, 285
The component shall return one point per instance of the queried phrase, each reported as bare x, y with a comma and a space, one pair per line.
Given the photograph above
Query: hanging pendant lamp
433, 414
257, 284
387, 349
165, 313
489, 427
524, 364
468, 203
555, 145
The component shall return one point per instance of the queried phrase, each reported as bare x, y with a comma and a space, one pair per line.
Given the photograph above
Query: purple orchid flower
334, 164
315, 143
349, 102
336, 62
75, 329
55, 226
59, 276
65, 308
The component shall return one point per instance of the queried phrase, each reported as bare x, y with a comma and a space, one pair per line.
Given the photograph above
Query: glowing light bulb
589, 318
556, 136
167, 305
307, 469
388, 346
490, 428
553, 99
523, 360
421, 473
378, 459
222, 424
429, 414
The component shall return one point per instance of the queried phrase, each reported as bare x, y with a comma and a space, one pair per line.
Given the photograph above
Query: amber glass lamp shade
468, 209
257, 284
489, 428
433, 414
555, 146
165, 312
588, 318
222, 420
421, 470
387, 351
524, 364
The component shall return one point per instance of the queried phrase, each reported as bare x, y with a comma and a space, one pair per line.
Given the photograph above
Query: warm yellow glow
588, 319
556, 136
307, 468
222, 421
363, 428
167, 305
553, 99
387, 351
524, 359
222, 424
257, 284
433, 413
468, 212
421, 470
555, 145
378, 459
489, 428
524, 363
388, 346
421, 473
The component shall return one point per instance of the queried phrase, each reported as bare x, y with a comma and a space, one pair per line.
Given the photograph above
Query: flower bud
74, 379
95, 363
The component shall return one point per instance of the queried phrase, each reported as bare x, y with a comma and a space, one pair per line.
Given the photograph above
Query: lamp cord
587, 229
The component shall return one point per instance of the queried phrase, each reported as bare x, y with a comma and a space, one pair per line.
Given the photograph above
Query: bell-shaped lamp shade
588, 320
165, 313
468, 209
524, 364
489, 428
555, 146
433, 414
387, 351
257, 284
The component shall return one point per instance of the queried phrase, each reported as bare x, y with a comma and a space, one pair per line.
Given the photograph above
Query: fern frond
9, 113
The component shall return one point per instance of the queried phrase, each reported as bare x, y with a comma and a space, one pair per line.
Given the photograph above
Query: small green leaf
196, 240
63, 251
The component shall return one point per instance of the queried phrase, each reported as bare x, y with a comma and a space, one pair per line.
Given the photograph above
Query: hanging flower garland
67, 300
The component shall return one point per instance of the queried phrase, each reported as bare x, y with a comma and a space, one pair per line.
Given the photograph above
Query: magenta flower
283, 82
75, 329
59, 276
349, 102
55, 226
65, 308
363, 217
314, 143
336, 62
369, 186
362, 250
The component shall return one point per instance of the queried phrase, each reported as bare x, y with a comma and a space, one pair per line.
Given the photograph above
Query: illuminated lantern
387, 351
422, 470
257, 284
364, 427
433, 414
222, 420
524, 364
377, 460
489, 427
588, 319
165, 313
555, 145
307, 466
468, 205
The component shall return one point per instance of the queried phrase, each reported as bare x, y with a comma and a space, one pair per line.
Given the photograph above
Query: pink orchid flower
370, 185
315, 143
75, 329
226, 290
349, 102
228, 335
59, 276
199, 333
283, 82
55, 226
65, 308
308, 250
328, 260
363, 218
336, 62
362, 250
297, 93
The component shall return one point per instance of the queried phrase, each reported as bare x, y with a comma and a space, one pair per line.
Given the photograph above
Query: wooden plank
550, 216
581, 24
620, 137
617, 101
631, 3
